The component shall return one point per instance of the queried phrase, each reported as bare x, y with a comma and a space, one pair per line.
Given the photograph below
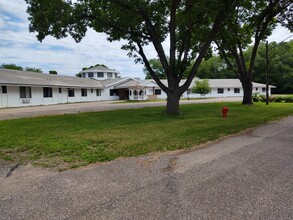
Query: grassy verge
70, 141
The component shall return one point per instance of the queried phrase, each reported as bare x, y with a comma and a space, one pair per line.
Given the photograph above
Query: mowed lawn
69, 141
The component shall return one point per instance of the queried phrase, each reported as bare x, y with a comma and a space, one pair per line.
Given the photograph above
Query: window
47, 92
91, 75
130, 93
25, 92
158, 92
109, 75
101, 75
263, 90
70, 92
256, 89
60, 90
98, 91
220, 90
92, 91
236, 90
83, 92
228, 89
4, 89
114, 92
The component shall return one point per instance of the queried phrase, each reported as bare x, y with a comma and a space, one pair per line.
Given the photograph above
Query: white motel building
23, 88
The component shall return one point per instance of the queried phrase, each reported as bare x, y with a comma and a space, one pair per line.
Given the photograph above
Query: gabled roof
233, 83
26, 78
115, 81
100, 69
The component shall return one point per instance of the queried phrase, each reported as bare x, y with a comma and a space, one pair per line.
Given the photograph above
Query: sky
67, 57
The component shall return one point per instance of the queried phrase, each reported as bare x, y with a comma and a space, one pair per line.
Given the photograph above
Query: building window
100, 75
158, 92
228, 89
25, 92
92, 91
130, 92
60, 90
220, 90
256, 89
90, 75
109, 75
236, 90
263, 90
98, 92
4, 89
70, 92
47, 92
114, 92
83, 92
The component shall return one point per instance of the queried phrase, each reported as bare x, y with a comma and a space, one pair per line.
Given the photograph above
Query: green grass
69, 141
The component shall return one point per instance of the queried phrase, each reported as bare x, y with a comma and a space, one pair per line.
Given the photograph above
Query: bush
255, 97
279, 99
288, 99
262, 98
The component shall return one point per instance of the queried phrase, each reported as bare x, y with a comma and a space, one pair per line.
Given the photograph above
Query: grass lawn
69, 141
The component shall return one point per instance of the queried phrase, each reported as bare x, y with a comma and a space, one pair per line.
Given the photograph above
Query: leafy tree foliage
202, 87
157, 68
11, 66
33, 69
54, 72
188, 26
251, 22
86, 68
215, 68
280, 66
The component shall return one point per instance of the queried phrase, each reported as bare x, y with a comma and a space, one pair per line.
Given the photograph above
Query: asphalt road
247, 176
72, 108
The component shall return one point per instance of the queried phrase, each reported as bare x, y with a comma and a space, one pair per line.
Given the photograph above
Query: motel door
3, 97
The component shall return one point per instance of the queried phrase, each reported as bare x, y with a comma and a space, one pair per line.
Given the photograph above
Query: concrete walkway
247, 176
33, 111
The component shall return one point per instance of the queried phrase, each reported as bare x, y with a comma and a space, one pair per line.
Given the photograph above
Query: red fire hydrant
225, 111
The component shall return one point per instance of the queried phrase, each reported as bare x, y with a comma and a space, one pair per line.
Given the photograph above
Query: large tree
251, 22
189, 27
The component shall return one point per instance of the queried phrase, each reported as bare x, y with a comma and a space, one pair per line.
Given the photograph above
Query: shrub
255, 97
288, 99
279, 99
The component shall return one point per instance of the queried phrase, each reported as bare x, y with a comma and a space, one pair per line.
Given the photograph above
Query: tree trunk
172, 107
247, 96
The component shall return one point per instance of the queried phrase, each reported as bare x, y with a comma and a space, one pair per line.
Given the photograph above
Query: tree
33, 69
86, 68
78, 75
11, 66
188, 26
54, 72
215, 68
157, 68
202, 87
251, 20
280, 66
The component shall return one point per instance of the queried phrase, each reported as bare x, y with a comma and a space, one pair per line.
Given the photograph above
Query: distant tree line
13, 66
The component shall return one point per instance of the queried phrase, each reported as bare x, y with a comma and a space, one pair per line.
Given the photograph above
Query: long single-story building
23, 88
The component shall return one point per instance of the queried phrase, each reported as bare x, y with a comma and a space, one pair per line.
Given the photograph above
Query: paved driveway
247, 176
11, 113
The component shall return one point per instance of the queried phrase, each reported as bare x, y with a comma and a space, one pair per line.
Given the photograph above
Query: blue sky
20, 47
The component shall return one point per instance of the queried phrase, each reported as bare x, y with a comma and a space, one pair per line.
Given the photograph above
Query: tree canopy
188, 26
13, 66
250, 23
202, 87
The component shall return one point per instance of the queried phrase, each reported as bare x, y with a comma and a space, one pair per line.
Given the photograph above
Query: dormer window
109, 75
100, 75
90, 75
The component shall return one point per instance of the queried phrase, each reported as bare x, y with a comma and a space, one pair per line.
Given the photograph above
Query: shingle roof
16, 77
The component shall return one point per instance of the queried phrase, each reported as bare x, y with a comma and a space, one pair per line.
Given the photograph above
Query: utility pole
267, 72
